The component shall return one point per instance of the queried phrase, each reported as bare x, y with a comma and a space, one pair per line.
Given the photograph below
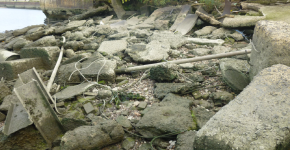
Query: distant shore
20, 5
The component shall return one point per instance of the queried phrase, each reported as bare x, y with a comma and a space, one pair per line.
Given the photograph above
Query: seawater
12, 19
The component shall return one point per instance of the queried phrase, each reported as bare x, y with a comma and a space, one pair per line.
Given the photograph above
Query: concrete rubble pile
108, 92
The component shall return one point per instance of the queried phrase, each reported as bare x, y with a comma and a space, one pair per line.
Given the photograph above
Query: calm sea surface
12, 19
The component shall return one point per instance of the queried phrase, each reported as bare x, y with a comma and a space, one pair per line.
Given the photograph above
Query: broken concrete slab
72, 91
241, 21
11, 69
185, 9
38, 107
17, 118
155, 51
93, 137
17, 46
49, 55
187, 24
10, 44
175, 40
208, 42
270, 45
7, 55
101, 70
112, 47
244, 122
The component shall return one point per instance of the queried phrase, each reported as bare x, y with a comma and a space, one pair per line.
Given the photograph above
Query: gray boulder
93, 137
103, 30
43, 42
258, 118
162, 89
271, 45
220, 33
112, 47
154, 51
234, 72
164, 73
77, 36
172, 115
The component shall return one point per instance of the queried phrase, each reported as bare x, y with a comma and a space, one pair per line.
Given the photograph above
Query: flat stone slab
72, 91
258, 118
38, 107
112, 47
187, 24
88, 107
205, 41
181, 16
271, 45
241, 21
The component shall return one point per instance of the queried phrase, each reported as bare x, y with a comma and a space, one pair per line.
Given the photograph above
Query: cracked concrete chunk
34, 100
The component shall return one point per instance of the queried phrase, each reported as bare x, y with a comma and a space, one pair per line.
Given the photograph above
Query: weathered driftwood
50, 81
182, 61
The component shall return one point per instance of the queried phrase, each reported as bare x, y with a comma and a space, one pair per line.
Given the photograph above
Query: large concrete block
48, 54
272, 45
10, 69
257, 119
